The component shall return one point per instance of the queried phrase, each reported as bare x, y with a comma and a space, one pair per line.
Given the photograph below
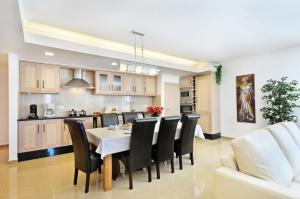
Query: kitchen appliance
186, 95
187, 108
49, 110
33, 112
78, 81
72, 113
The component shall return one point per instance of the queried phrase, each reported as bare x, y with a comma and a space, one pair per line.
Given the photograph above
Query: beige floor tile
52, 178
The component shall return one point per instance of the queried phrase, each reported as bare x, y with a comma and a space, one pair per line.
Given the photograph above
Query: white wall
13, 82
265, 66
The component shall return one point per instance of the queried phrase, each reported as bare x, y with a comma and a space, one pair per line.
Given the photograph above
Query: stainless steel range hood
77, 81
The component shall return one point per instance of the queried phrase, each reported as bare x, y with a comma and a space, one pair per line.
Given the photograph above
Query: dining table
110, 140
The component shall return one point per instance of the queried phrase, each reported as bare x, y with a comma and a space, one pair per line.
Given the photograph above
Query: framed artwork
245, 98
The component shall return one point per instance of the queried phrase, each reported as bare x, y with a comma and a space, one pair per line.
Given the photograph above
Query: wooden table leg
107, 173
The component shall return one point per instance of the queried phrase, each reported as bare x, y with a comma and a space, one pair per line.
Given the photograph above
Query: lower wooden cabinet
30, 136
43, 134
51, 133
39, 134
65, 135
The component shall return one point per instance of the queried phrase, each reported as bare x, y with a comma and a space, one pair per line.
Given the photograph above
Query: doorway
172, 99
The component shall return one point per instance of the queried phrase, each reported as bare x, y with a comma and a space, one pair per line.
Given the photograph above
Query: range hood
77, 81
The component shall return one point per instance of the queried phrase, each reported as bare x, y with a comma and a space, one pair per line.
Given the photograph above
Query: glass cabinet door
103, 85
117, 82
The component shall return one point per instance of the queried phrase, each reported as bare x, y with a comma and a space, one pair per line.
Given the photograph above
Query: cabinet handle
38, 83
43, 83
44, 128
135, 89
132, 88
38, 129
145, 89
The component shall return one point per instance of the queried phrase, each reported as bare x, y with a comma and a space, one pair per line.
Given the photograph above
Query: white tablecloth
114, 141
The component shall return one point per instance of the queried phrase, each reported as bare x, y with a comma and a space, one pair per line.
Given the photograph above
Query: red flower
154, 110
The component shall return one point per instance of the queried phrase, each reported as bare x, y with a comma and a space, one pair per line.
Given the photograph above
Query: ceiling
199, 30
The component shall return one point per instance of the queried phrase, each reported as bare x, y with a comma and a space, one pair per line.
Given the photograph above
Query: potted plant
154, 111
280, 97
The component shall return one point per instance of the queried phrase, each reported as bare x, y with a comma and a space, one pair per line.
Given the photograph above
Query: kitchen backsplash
78, 99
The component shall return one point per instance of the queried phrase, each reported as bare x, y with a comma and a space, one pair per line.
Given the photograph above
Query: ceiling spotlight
114, 64
49, 54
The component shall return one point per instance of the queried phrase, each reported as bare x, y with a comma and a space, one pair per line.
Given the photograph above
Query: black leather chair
129, 117
85, 160
185, 145
164, 149
109, 119
139, 154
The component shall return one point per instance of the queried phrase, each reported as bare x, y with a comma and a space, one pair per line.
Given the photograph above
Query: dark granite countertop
56, 117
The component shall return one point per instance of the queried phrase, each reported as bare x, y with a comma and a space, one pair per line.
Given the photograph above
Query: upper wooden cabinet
39, 78
186, 82
134, 84
108, 83
150, 85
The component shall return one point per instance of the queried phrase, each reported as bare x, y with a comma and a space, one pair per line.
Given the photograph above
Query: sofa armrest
230, 184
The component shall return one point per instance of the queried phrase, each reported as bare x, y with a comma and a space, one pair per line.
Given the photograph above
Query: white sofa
265, 165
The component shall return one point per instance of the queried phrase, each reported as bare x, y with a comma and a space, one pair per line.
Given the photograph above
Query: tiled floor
53, 177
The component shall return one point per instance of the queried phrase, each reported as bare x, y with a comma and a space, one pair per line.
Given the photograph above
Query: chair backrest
109, 119
129, 117
166, 136
80, 144
187, 133
141, 142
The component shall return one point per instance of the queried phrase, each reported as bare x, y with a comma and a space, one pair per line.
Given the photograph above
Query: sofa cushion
287, 145
259, 155
293, 130
229, 162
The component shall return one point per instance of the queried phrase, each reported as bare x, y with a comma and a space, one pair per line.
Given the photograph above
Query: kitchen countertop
63, 117
56, 117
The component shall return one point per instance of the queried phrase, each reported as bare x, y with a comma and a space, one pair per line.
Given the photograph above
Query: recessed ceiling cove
181, 33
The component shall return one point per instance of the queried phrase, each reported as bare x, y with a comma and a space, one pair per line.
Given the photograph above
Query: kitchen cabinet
134, 84
66, 137
50, 79
108, 83
208, 102
150, 85
87, 122
39, 134
29, 136
186, 82
39, 78
51, 133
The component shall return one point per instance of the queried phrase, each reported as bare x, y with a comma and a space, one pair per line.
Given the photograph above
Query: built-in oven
187, 108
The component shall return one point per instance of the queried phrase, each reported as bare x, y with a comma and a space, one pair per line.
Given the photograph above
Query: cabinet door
50, 79
150, 86
65, 135
203, 94
29, 136
102, 82
186, 82
139, 85
87, 122
205, 123
129, 84
51, 133
30, 74
117, 83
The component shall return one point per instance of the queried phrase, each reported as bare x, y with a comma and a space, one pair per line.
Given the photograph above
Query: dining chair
185, 145
86, 160
164, 149
139, 154
109, 119
129, 117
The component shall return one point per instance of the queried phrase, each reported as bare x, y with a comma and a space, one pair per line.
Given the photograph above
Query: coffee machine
49, 110
33, 112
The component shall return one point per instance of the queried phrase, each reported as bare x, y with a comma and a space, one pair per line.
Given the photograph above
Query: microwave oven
187, 93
